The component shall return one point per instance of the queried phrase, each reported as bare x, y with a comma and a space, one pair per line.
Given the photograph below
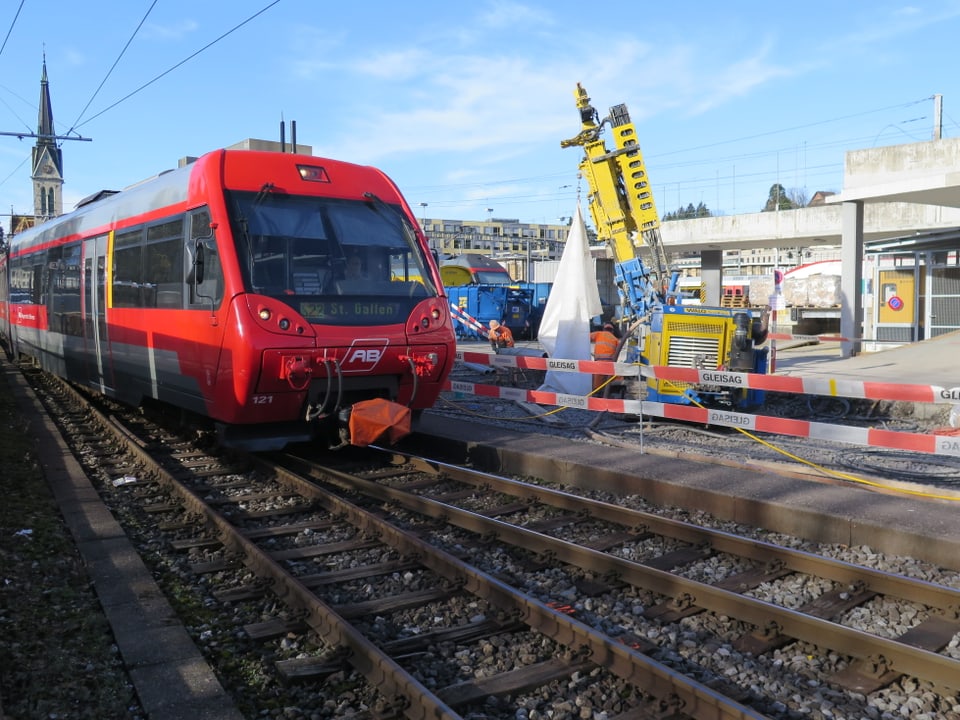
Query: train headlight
313, 173
435, 314
264, 314
284, 324
424, 322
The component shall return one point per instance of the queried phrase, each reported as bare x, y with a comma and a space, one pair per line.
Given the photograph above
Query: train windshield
327, 256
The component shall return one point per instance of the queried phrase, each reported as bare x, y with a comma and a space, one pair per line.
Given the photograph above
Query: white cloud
170, 31
740, 78
406, 64
503, 14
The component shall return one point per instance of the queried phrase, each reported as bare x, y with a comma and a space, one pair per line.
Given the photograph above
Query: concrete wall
819, 225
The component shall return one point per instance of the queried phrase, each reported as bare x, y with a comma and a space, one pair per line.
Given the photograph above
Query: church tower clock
47, 158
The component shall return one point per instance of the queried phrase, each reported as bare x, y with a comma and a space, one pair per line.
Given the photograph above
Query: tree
798, 196
778, 199
688, 212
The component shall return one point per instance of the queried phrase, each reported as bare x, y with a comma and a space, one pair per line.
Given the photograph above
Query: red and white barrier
830, 387
808, 338
871, 437
462, 316
591, 367
545, 398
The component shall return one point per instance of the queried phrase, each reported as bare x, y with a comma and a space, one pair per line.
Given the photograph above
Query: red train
267, 292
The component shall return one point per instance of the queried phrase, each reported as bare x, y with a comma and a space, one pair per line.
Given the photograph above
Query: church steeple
47, 166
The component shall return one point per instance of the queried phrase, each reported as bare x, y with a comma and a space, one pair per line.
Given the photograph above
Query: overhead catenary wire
177, 65
2, 48
115, 62
695, 185
113, 67
12, 24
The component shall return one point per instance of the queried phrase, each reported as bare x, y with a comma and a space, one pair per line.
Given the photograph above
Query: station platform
929, 362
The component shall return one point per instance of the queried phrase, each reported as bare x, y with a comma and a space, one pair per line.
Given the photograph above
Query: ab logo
363, 359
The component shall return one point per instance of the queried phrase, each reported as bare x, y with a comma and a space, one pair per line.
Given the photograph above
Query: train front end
342, 331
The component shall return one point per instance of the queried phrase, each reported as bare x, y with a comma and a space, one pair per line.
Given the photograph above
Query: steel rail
693, 698
403, 692
942, 671
884, 583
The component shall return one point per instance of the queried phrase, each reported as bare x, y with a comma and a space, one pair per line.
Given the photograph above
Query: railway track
455, 593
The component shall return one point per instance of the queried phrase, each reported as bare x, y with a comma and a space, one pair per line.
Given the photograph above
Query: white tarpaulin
574, 299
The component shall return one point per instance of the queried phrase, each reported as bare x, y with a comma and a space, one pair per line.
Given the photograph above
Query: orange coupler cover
372, 420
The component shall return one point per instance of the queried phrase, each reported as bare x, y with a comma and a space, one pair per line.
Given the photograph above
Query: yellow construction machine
660, 330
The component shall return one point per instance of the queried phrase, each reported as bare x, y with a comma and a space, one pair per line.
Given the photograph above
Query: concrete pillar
851, 280
711, 263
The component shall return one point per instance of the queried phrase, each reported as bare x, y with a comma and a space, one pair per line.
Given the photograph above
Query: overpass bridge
888, 192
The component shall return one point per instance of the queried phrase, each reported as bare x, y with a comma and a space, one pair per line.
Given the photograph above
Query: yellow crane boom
621, 200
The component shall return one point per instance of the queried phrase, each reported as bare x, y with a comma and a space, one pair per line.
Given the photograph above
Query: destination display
353, 311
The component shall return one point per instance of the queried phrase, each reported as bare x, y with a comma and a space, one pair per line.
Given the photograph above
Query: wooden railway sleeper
683, 601
394, 707
865, 675
614, 578
546, 557
670, 707
509, 616
770, 631
411, 556
875, 666
950, 613
453, 585
581, 653
489, 538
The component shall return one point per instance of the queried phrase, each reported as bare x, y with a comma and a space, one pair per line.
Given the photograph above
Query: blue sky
465, 105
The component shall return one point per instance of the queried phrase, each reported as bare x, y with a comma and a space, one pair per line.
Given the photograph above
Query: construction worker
605, 344
499, 336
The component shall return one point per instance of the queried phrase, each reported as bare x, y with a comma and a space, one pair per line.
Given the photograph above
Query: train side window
50, 280
16, 281
127, 269
163, 269
37, 295
25, 279
65, 291
209, 291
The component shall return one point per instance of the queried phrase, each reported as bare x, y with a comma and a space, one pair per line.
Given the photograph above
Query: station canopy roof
946, 239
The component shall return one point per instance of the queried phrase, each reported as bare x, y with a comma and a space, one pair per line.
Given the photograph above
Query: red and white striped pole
776, 303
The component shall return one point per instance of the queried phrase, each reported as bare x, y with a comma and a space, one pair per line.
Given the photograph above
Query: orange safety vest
604, 345
503, 336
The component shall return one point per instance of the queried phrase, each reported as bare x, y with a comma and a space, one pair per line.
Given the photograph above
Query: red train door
99, 371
